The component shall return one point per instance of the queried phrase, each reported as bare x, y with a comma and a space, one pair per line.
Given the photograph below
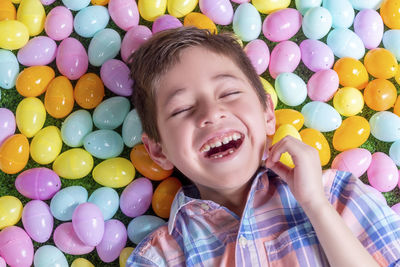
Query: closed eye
230, 94
180, 111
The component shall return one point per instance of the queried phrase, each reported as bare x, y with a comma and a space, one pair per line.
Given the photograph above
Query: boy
205, 112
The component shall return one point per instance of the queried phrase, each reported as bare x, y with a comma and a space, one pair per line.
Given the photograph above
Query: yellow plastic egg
151, 9
200, 21
14, 154
289, 116
30, 116
34, 80
281, 132
180, 8
269, 6
124, 255
81, 262
390, 13
16, 1
10, 211
397, 75
59, 98
46, 145
89, 91
381, 63
348, 101
352, 133
73, 164
351, 72
32, 14
13, 34
115, 172
164, 195
99, 2
270, 90
380, 94
317, 140
7, 10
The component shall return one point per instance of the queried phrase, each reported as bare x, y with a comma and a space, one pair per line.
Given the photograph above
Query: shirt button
242, 241
204, 206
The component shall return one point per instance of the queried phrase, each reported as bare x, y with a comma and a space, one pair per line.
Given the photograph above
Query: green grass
10, 99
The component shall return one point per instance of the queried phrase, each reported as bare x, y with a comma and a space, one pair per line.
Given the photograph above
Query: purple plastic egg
368, 25
16, 247
124, 13
219, 11
396, 208
133, 39
2, 262
59, 23
114, 240
68, 242
355, 160
258, 53
7, 124
240, 1
115, 75
383, 174
37, 220
88, 223
323, 85
282, 25
285, 57
376, 194
47, 2
136, 197
165, 22
316, 55
72, 59
40, 50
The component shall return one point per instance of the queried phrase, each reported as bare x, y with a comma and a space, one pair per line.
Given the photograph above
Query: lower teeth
230, 151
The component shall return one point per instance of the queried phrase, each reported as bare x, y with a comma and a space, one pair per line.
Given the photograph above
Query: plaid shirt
273, 231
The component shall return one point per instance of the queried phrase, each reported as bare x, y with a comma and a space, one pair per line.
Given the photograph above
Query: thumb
283, 171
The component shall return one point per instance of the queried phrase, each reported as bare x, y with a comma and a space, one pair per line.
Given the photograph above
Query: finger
296, 148
283, 171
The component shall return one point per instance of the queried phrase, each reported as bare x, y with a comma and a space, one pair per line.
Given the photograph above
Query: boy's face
212, 125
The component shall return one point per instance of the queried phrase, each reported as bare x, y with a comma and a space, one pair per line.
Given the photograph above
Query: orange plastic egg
34, 80
164, 195
200, 21
59, 97
316, 139
89, 91
100, 2
397, 75
381, 63
380, 94
146, 166
7, 10
351, 72
14, 154
396, 108
289, 116
390, 13
352, 133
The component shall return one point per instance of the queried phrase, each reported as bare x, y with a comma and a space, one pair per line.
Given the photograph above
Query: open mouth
222, 146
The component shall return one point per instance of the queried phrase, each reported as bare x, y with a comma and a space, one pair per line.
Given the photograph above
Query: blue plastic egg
111, 113
304, 5
394, 152
9, 69
75, 127
132, 129
103, 144
364, 4
316, 23
65, 201
385, 126
290, 88
246, 22
104, 45
107, 200
141, 226
345, 43
391, 41
90, 20
76, 5
342, 12
49, 255
321, 116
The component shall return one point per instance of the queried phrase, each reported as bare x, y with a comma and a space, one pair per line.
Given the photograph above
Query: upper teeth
218, 143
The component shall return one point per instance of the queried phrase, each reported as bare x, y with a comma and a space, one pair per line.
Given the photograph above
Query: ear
269, 115
155, 152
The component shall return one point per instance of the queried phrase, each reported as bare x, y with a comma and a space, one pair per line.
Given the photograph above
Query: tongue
221, 150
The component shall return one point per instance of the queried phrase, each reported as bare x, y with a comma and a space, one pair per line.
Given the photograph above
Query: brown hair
161, 52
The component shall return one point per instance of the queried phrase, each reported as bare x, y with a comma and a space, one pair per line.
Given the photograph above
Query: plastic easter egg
240, 1
291, 89
220, 12
16, 247
88, 223
165, 22
124, 13
141, 226
71, 59
111, 112
345, 43
199, 20
316, 55
246, 22
47, 2
89, 91
116, 77
352, 133
38, 183
180, 8
380, 94
59, 97
14, 34
65, 201
281, 132
46, 145
385, 126
107, 200
9, 69
285, 57
355, 160
351, 72
348, 101
381, 63
390, 13
7, 10
391, 41
99, 2
164, 195
32, 14
396, 108
104, 45
146, 166
289, 116
342, 12
368, 25
258, 53
40, 50
396, 208
382, 173
103, 144
90, 20
81, 262
269, 89
59, 23
2, 262
75, 127
136, 197
114, 240
68, 242
7, 124
323, 85
76, 5
318, 141
132, 129
124, 255
363, 4
37, 220
14, 154
316, 23
33, 81
150, 10
269, 6
394, 152
282, 25
49, 255
321, 116
134, 38
10, 211
115, 172
75, 163
304, 5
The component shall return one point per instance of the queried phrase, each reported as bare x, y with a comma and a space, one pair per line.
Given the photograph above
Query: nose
210, 113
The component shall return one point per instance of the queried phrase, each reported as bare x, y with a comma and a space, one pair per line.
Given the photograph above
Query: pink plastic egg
165, 22
2, 262
88, 223
258, 53
240, 1
285, 57
38, 183
68, 242
356, 161
133, 39
7, 124
316, 55
37, 220
59, 23
219, 11
282, 25
124, 13
368, 25
114, 240
115, 75
396, 208
136, 197
40, 50
72, 59
323, 85
16, 247
47, 2
382, 173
